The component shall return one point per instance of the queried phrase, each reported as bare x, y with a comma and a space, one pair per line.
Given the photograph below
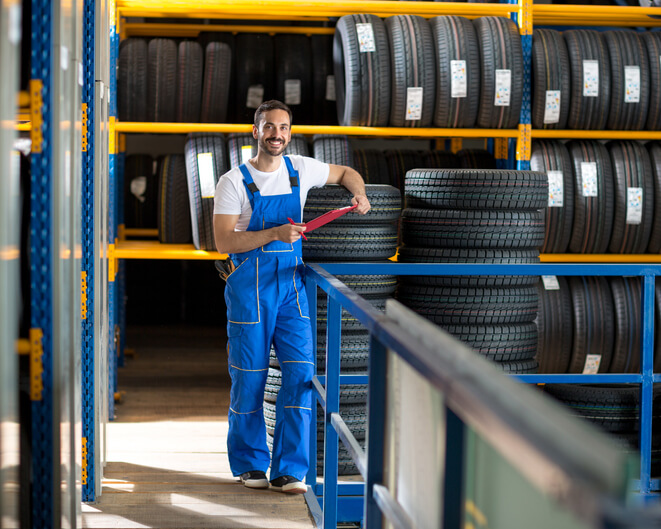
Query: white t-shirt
231, 197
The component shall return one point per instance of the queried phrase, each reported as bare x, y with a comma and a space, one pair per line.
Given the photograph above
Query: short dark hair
267, 106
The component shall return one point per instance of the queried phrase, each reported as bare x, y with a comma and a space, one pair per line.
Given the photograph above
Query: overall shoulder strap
293, 173
251, 188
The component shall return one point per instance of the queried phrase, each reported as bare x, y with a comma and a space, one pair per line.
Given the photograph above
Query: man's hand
290, 233
363, 204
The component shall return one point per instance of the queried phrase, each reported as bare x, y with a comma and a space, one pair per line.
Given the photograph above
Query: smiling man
265, 297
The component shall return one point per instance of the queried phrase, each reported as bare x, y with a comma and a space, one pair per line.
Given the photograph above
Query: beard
273, 150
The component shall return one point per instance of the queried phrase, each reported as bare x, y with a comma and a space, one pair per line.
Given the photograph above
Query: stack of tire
476, 216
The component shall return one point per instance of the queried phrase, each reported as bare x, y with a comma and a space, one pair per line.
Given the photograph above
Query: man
265, 297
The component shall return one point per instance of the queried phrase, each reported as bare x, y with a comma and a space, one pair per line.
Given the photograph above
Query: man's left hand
363, 204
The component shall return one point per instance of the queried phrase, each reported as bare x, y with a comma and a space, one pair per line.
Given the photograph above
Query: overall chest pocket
275, 246
242, 293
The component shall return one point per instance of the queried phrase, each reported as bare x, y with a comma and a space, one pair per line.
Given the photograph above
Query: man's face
274, 133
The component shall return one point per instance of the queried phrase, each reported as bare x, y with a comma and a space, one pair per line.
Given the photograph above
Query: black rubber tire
217, 83
140, 192
373, 166
132, 80
471, 306
652, 40
455, 40
324, 109
631, 168
372, 285
555, 324
594, 322
235, 146
174, 218
593, 216
200, 190
348, 322
385, 201
526, 367
448, 228
585, 112
332, 149
362, 79
551, 155
500, 49
354, 352
476, 189
351, 242
190, 66
476, 159
627, 302
627, 48
654, 151
349, 393
293, 63
254, 68
409, 254
412, 61
499, 343
207, 37
298, 145
441, 160
550, 71
400, 162
162, 91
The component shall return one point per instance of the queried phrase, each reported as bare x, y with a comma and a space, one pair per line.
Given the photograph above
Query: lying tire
590, 81
458, 66
441, 160
501, 69
298, 145
140, 192
413, 90
350, 242
400, 162
349, 393
373, 167
634, 197
132, 80
556, 327
475, 189
654, 150
385, 201
593, 197
551, 157
217, 82
362, 71
348, 322
354, 352
627, 302
526, 367
372, 285
255, 76
551, 86
240, 148
324, 109
293, 77
499, 343
174, 217
162, 91
190, 65
332, 149
476, 159
652, 40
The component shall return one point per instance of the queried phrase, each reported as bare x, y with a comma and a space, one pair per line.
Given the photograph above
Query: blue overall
267, 304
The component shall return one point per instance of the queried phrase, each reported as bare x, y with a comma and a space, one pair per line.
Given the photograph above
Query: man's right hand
290, 233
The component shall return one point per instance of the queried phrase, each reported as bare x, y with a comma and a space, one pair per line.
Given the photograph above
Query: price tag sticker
413, 103
205, 173
330, 88
246, 153
591, 366
632, 84
634, 205
550, 283
366, 41
552, 107
503, 88
255, 96
459, 85
591, 78
589, 179
556, 189
293, 92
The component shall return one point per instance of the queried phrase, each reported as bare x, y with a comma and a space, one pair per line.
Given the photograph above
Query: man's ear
255, 132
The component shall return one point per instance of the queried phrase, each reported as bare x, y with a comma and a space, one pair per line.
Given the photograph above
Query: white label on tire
366, 41
459, 86
552, 107
589, 179
550, 283
330, 88
138, 187
246, 153
591, 78
413, 103
205, 172
556, 189
293, 92
503, 88
634, 205
591, 366
255, 96
632, 84
15, 24
64, 57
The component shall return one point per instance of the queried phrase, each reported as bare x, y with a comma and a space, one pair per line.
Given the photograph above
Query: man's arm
351, 179
230, 241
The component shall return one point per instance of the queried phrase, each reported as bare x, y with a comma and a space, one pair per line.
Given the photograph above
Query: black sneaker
255, 479
289, 484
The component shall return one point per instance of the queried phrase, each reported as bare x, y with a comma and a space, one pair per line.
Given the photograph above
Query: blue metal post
311, 291
647, 385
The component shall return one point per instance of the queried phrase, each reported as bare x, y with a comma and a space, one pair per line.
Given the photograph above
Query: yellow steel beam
599, 258
598, 134
157, 250
23, 99
23, 127
193, 30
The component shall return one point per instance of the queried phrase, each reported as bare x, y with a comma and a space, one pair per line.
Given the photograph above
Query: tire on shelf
476, 159
349, 393
205, 38
455, 41
140, 192
385, 200
362, 78
174, 217
627, 302
217, 83
351, 242
162, 86
498, 343
441, 160
373, 166
190, 66
525, 367
372, 285
654, 150
333, 149
550, 72
652, 40
324, 109
552, 156
348, 321
240, 147
400, 162
354, 352
132, 80
293, 74
298, 145
255, 77
555, 324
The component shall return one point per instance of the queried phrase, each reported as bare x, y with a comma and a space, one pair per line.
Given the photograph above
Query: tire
593, 215
349, 393
132, 80
441, 160
498, 343
298, 145
240, 146
400, 162
174, 217
472, 229
203, 175
324, 109
627, 301
162, 91
632, 169
362, 79
224, 38
500, 49
385, 200
348, 322
354, 352
594, 322
190, 65
455, 40
293, 77
588, 112
550, 156
350, 243
371, 285
627, 49
475, 189
526, 367
476, 159
255, 75
140, 192
333, 149
654, 150
652, 40
217, 83
373, 167
412, 66
556, 328
550, 70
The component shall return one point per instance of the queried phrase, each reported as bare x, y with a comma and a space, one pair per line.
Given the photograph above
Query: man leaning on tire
265, 297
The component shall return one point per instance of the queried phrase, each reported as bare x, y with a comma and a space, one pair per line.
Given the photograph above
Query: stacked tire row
476, 216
